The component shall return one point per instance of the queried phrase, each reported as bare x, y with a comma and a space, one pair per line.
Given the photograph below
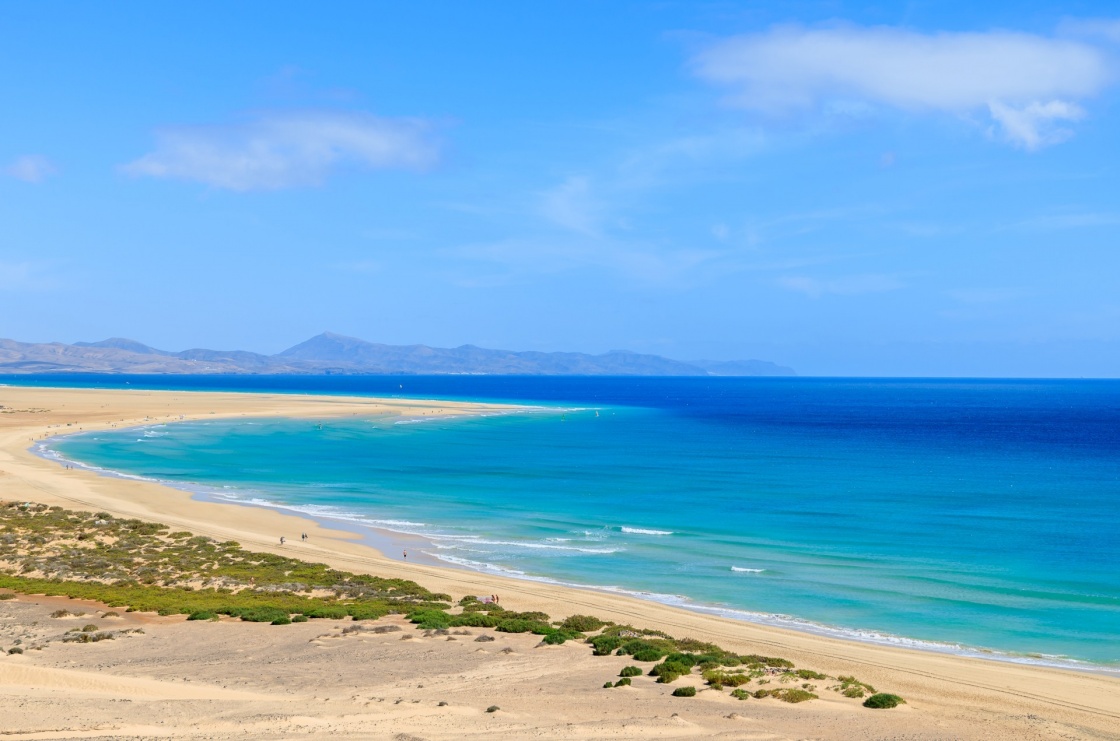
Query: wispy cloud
848, 285
1028, 85
573, 206
283, 150
31, 168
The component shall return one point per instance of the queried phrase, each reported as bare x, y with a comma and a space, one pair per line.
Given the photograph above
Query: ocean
973, 516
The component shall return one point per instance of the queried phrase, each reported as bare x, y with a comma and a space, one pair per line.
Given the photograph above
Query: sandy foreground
232, 679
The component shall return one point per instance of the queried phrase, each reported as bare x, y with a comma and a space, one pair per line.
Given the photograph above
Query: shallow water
979, 513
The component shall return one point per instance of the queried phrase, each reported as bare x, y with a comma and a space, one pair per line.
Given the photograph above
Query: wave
644, 531
746, 570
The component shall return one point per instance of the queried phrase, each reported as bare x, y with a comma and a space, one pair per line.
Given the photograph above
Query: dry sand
236, 680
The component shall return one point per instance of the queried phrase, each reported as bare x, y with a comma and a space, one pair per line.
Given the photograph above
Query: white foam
644, 531
747, 571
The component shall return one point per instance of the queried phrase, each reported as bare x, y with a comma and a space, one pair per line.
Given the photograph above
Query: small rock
441, 704
493, 709
484, 639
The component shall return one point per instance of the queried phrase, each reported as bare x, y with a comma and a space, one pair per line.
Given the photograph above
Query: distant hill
333, 353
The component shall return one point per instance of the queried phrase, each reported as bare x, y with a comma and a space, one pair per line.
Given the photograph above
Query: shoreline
931, 681
386, 540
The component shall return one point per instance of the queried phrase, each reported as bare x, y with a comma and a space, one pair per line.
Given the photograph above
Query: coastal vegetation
142, 566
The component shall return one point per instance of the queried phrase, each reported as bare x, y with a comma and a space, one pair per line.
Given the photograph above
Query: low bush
61, 613
684, 692
285, 620
755, 659
326, 612
740, 694
493, 709
582, 623
16, 650
786, 694
719, 679
7, 595
201, 615
855, 692
883, 700
604, 645
630, 671
299, 619
624, 682
556, 637
809, 674
522, 625
89, 628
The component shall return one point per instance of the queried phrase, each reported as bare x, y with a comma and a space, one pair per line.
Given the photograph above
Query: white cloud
282, 150
850, 285
572, 206
30, 168
1025, 82
1035, 125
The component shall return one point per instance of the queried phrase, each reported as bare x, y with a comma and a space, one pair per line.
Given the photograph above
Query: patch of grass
89, 628
7, 595
809, 674
741, 694
630, 671
299, 618
883, 700
684, 692
624, 682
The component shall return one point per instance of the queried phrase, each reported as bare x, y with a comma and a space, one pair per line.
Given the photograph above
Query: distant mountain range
331, 353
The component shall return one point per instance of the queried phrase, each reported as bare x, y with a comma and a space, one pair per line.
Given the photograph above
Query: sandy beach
233, 679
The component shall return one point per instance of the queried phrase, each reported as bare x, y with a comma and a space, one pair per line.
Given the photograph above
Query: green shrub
16, 650
755, 659
883, 700
521, 625
582, 623
429, 619
89, 628
299, 619
556, 637
684, 692
668, 671
721, 679
646, 650
630, 671
740, 694
367, 611
474, 620
624, 682
201, 615
786, 694
7, 595
808, 674
282, 621
605, 645
327, 612
855, 691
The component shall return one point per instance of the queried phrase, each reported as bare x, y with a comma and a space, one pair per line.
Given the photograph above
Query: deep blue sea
954, 514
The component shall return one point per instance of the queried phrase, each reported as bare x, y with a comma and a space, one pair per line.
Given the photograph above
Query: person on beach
281, 540
405, 554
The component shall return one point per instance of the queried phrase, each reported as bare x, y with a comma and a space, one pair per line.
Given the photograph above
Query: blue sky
851, 189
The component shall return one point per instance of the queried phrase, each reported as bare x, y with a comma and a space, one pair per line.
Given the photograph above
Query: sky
912, 188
